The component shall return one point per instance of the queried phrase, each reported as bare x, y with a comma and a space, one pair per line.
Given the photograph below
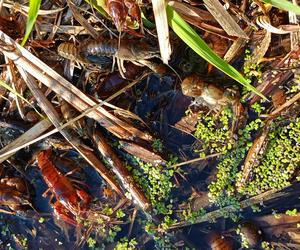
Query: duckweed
156, 183
126, 244
222, 190
280, 161
213, 132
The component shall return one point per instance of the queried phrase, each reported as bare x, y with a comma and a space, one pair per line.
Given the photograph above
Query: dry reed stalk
162, 27
67, 91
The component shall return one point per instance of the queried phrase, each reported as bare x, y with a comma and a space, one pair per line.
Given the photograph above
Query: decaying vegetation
156, 124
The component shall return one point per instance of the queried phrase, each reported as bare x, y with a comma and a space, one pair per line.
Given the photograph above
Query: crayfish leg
121, 67
45, 194
61, 213
84, 196
138, 63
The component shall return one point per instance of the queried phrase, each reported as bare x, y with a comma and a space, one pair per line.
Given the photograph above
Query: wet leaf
34, 6
193, 40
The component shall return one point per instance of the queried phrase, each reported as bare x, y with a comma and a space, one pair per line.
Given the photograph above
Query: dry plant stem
101, 169
83, 21
295, 36
55, 119
224, 18
272, 78
259, 50
211, 216
67, 91
199, 18
160, 15
120, 170
28, 136
13, 79
132, 222
239, 13
237, 46
12, 150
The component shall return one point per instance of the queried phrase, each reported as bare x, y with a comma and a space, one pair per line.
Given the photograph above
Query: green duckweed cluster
213, 132
222, 190
251, 69
126, 244
280, 161
156, 182
191, 215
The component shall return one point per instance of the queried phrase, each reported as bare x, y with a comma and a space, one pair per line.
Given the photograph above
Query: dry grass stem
162, 27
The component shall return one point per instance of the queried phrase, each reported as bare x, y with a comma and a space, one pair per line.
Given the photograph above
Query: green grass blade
284, 5
34, 6
5, 85
194, 41
147, 23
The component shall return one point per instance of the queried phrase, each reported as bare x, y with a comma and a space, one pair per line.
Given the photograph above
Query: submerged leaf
147, 23
193, 40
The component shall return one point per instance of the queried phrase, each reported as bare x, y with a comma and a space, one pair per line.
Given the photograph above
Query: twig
196, 160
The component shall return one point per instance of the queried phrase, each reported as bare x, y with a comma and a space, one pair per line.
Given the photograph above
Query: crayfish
14, 195
212, 96
70, 201
99, 52
120, 10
